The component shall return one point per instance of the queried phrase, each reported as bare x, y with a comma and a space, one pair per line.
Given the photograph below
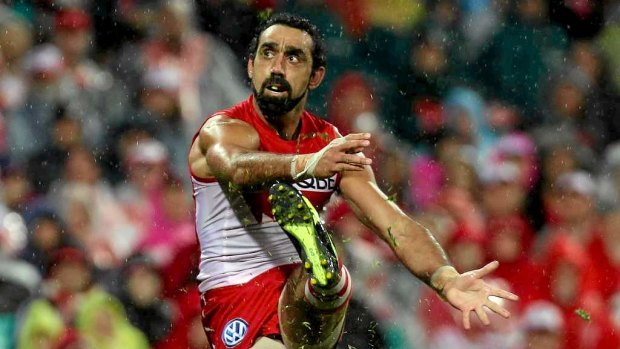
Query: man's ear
316, 78
250, 68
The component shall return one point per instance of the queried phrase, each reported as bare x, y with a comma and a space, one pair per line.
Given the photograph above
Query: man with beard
269, 274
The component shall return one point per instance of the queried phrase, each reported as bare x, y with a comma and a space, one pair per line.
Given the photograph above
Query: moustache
278, 81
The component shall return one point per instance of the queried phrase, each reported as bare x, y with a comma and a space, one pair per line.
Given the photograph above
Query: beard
273, 107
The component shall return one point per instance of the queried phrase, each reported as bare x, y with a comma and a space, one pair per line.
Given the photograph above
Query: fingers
349, 167
498, 292
466, 322
497, 308
357, 136
354, 142
486, 270
349, 146
482, 315
352, 159
355, 151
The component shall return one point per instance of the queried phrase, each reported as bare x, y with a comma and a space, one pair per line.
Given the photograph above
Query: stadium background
495, 123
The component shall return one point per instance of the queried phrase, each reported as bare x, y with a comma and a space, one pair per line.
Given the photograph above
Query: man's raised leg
309, 319
314, 301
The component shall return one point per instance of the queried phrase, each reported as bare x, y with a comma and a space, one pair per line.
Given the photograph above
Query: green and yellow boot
300, 220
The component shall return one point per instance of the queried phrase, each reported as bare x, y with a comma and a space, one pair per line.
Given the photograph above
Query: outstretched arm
418, 250
228, 149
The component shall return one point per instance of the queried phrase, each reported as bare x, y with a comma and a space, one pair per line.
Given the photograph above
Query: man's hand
342, 154
468, 292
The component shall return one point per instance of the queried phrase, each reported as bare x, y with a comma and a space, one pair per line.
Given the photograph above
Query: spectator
503, 196
542, 325
567, 118
17, 194
71, 339
72, 298
466, 116
602, 99
352, 108
426, 78
159, 107
92, 212
573, 206
15, 40
558, 159
570, 283
46, 235
229, 20
103, 325
142, 298
19, 280
608, 191
520, 55
146, 165
428, 170
68, 275
458, 199
209, 75
46, 165
580, 19
28, 125
89, 91
41, 328
187, 331
171, 230
604, 251
509, 241
121, 139
608, 41
397, 15
518, 148
481, 20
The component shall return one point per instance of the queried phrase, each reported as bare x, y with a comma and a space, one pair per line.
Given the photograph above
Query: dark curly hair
297, 22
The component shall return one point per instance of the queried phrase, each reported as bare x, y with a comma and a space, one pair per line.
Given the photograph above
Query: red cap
67, 254
72, 19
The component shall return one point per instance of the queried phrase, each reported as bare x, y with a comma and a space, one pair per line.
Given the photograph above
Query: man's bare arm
230, 148
420, 253
414, 244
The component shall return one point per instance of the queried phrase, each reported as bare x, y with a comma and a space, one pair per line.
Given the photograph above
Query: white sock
333, 297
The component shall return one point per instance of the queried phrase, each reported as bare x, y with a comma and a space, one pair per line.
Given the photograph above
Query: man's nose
278, 65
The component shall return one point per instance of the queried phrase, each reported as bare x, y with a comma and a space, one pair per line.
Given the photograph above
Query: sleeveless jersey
238, 236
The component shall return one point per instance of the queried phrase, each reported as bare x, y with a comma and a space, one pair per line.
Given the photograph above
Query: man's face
74, 43
281, 71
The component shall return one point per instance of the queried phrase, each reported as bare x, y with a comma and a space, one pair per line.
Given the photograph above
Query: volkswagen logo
234, 331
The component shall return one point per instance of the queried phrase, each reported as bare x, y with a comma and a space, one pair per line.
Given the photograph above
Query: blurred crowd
496, 124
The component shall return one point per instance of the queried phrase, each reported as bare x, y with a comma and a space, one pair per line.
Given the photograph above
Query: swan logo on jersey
317, 184
234, 331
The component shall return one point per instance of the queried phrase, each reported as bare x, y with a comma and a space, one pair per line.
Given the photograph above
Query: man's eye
268, 53
293, 58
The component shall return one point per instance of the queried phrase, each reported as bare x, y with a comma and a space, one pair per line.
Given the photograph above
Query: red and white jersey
238, 236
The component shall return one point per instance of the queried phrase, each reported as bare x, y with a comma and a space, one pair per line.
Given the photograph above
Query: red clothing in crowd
566, 266
608, 271
518, 270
